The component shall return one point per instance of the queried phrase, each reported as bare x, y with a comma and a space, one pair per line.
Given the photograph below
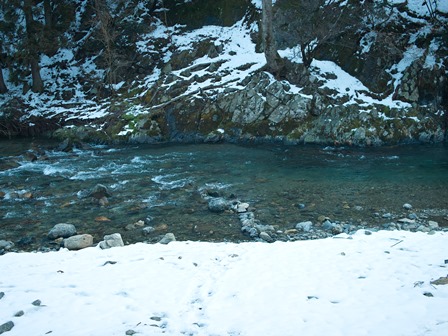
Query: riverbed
168, 187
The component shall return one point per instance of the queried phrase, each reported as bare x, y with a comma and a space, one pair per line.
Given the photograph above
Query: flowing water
164, 186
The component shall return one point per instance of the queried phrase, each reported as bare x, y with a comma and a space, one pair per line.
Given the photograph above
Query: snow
346, 285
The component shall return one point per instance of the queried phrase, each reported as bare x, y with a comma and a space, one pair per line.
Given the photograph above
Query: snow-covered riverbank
376, 284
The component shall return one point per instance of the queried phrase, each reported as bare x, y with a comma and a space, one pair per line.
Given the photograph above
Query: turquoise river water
164, 187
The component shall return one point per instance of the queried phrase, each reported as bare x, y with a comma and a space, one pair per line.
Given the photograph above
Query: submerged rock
100, 191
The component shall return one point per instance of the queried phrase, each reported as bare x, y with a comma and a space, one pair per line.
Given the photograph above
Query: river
167, 186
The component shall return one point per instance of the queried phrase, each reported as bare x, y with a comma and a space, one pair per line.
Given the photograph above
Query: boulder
62, 230
112, 240
218, 204
78, 242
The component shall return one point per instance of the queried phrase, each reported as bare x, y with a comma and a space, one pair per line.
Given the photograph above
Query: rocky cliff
365, 73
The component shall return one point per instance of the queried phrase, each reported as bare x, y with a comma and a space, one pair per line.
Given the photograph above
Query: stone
337, 229
2, 294
423, 228
242, 207
6, 245
112, 240
407, 206
266, 237
250, 231
148, 229
78, 242
406, 221
36, 303
6, 327
291, 231
19, 313
168, 238
433, 225
99, 191
440, 281
218, 204
327, 225
63, 230
304, 226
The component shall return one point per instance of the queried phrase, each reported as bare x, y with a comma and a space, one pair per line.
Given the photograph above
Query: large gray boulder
62, 230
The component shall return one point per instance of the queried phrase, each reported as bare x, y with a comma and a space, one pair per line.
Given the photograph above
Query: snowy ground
360, 285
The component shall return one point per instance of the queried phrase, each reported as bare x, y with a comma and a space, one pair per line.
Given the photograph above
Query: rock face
193, 92
62, 230
113, 240
78, 242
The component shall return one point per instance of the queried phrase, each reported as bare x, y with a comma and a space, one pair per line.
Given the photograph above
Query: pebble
168, 238
19, 313
36, 303
407, 206
2, 294
63, 230
112, 240
78, 242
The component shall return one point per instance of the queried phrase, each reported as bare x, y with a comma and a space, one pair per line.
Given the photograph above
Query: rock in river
78, 242
218, 204
62, 230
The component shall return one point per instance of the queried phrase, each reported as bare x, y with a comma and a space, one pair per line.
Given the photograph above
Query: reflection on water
162, 185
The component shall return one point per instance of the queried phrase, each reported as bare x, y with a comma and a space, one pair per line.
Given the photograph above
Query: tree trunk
32, 47
38, 84
3, 88
48, 13
273, 60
